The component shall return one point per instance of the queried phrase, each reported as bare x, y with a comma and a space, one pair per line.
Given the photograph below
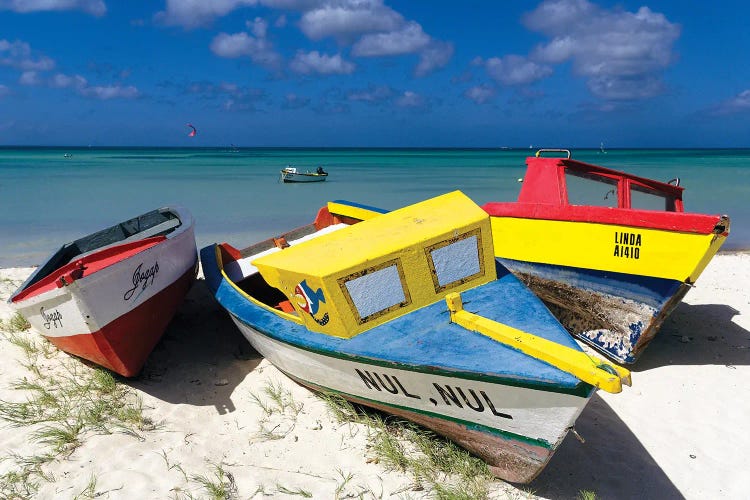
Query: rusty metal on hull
588, 314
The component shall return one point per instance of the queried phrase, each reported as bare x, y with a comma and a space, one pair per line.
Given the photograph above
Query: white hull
88, 304
530, 413
302, 177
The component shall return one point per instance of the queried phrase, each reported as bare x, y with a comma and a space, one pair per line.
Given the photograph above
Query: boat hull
302, 177
374, 311
611, 285
114, 317
515, 430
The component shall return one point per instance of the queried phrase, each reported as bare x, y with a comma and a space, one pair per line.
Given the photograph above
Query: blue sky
564, 73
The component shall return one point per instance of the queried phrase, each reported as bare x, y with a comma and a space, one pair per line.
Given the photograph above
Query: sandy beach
678, 432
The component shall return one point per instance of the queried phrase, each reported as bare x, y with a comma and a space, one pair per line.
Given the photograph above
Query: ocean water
47, 199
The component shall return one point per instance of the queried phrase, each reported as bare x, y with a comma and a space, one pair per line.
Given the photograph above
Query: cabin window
590, 189
376, 291
644, 198
456, 261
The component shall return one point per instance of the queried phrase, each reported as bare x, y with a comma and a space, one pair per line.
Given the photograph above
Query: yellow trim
359, 213
285, 315
597, 373
661, 253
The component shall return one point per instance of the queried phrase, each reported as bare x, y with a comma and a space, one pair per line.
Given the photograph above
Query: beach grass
60, 404
449, 471
278, 400
280, 411
16, 323
219, 485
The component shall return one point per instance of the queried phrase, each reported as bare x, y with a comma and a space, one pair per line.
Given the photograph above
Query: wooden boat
108, 297
373, 311
291, 174
611, 254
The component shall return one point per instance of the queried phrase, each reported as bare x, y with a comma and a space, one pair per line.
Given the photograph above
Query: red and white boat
108, 297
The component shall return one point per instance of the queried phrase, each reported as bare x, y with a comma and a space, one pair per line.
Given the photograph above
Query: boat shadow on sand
698, 334
577, 466
202, 357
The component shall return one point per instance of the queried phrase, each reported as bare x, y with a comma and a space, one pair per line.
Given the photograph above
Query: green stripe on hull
582, 390
469, 425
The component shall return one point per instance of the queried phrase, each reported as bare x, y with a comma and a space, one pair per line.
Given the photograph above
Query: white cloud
106, 92
381, 30
372, 95
480, 94
411, 99
18, 54
102, 92
293, 101
407, 40
259, 49
516, 70
232, 46
4, 90
258, 27
737, 104
347, 19
280, 21
315, 62
29, 78
620, 53
435, 56
62, 81
235, 97
195, 13
93, 7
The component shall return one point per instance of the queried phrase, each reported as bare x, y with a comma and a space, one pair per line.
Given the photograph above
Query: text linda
53, 318
141, 279
627, 245
457, 396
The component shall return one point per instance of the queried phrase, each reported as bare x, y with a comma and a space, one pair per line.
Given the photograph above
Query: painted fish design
308, 299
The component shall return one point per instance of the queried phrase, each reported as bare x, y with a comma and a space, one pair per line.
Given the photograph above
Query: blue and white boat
374, 312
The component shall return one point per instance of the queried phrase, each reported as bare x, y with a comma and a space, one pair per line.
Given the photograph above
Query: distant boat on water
291, 174
601, 148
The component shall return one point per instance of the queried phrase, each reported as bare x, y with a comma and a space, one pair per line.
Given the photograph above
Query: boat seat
239, 269
156, 230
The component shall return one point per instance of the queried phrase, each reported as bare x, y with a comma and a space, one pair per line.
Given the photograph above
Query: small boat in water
291, 174
373, 311
610, 253
108, 297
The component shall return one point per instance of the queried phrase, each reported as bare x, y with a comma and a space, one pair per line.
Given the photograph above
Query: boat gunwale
686, 222
215, 277
582, 389
39, 281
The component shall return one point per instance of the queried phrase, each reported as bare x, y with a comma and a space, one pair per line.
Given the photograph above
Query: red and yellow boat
610, 253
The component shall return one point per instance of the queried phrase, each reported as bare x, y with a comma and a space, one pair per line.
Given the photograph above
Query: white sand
680, 431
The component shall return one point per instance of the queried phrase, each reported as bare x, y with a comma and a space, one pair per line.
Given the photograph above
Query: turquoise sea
47, 199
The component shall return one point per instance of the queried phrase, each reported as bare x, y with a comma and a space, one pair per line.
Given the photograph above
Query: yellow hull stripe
605, 247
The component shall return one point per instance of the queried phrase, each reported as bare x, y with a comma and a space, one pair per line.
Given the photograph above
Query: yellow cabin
350, 280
